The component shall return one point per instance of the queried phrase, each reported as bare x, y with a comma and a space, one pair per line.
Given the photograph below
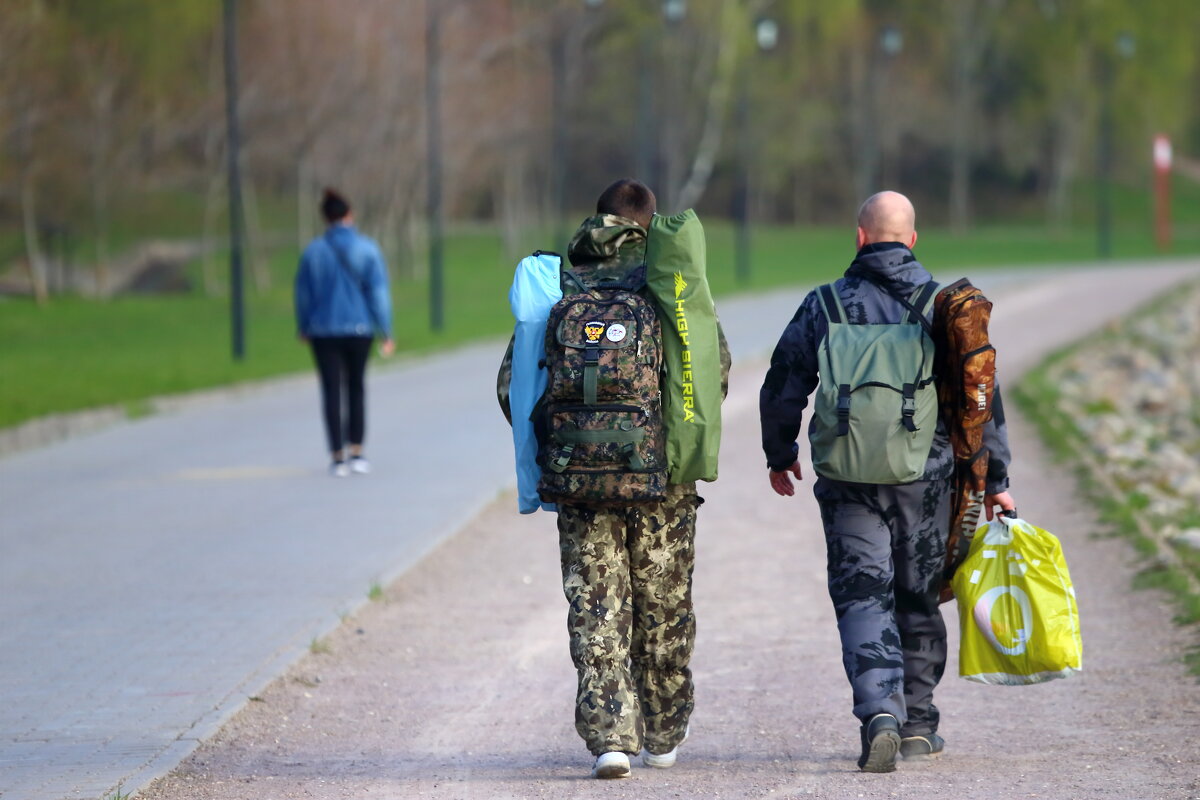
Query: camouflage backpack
966, 368
600, 420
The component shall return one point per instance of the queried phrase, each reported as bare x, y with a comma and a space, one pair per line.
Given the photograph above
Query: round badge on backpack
615, 332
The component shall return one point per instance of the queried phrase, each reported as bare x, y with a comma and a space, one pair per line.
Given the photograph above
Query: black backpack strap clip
843, 409
908, 407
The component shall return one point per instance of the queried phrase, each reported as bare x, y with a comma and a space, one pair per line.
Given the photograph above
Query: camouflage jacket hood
890, 264
607, 246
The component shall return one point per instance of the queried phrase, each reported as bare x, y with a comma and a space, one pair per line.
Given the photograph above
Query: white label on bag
975, 576
982, 614
989, 553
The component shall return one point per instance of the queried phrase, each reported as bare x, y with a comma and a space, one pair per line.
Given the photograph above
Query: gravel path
459, 685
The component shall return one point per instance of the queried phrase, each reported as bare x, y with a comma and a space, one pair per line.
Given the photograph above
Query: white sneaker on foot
360, 465
660, 760
664, 760
339, 469
611, 765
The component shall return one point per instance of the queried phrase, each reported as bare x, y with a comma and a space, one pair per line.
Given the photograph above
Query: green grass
118, 793
74, 353
1038, 397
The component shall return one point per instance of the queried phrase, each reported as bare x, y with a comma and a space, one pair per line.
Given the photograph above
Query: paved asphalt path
156, 574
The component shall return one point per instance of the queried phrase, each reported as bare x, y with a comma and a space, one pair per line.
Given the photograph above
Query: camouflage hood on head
609, 244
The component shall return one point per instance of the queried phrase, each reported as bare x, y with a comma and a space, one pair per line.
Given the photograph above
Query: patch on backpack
592, 330
615, 332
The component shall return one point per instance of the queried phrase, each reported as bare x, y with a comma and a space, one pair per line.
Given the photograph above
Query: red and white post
1162, 192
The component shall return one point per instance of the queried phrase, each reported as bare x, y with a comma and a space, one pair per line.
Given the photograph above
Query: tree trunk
102, 117
862, 118
714, 116
208, 263
963, 100
33, 251
304, 201
254, 246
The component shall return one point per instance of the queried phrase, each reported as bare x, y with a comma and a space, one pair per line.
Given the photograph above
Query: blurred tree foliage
979, 109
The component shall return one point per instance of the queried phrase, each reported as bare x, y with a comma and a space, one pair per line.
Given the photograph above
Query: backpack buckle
631, 456
563, 458
908, 407
843, 409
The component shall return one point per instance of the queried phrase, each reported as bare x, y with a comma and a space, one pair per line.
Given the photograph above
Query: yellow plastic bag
1016, 607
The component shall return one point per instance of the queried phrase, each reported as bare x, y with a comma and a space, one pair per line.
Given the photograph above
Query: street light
433, 144
1124, 46
560, 51
766, 36
237, 218
891, 42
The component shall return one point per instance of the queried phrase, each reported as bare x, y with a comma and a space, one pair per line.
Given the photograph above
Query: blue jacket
342, 299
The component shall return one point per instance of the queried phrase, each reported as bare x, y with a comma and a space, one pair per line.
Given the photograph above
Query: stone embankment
1134, 395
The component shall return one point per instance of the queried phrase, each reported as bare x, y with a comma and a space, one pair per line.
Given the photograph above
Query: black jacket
792, 376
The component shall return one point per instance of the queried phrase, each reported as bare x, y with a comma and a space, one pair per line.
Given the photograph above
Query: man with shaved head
885, 534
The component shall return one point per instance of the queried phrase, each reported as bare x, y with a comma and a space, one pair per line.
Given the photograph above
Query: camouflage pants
886, 546
627, 575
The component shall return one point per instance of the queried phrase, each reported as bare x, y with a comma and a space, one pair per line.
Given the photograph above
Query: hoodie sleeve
995, 439
791, 378
504, 378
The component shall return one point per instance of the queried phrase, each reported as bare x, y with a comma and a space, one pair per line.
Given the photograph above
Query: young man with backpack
885, 472
626, 533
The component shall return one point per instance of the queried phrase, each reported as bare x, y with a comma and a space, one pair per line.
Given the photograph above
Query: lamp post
560, 50
766, 36
668, 164
433, 152
891, 42
236, 214
1124, 47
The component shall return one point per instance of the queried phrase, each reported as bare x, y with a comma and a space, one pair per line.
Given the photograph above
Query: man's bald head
887, 217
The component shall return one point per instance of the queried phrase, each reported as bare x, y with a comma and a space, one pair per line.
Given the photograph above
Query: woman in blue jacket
342, 301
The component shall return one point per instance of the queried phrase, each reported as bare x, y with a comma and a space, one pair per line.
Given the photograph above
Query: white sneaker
339, 469
360, 465
611, 765
664, 760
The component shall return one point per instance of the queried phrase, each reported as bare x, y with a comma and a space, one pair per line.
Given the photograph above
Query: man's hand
1004, 500
387, 347
781, 481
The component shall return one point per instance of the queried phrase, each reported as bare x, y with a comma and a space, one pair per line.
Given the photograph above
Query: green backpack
876, 406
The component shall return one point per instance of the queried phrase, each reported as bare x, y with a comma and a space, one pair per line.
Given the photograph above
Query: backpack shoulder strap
569, 277
830, 303
921, 301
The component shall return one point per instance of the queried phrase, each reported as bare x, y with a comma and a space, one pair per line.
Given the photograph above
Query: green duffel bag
675, 276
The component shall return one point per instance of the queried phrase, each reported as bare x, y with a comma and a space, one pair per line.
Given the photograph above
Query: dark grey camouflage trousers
627, 575
886, 547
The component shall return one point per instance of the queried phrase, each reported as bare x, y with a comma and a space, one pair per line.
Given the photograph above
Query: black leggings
341, 364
